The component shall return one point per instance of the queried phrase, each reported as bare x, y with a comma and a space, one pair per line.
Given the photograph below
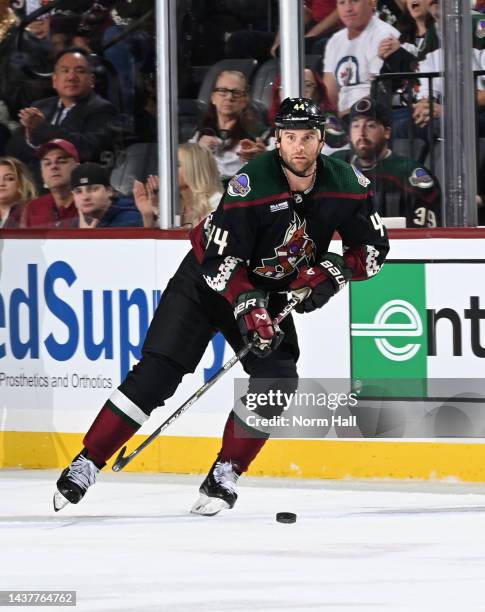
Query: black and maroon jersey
401, 187
262, 233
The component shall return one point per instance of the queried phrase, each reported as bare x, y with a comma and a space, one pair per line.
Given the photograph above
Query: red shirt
44, 213
320, 9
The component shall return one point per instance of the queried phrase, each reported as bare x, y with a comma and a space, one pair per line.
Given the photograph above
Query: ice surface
131, 545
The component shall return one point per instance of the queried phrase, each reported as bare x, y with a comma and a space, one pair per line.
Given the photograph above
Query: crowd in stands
78, 89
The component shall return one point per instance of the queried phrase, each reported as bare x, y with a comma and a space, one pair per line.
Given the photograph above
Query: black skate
218, 491
75, 481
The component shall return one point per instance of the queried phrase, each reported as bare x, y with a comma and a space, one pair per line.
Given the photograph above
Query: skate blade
208, 506
59, 501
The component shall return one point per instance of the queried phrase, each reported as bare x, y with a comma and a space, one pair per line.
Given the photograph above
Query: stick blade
121, 461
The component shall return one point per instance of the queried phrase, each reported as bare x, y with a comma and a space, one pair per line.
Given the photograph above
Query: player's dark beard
301, 173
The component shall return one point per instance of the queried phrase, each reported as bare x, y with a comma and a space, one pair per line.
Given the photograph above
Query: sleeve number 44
377, 223
219, 238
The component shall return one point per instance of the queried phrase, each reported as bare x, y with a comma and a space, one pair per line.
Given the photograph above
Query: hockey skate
75, 481
218, 491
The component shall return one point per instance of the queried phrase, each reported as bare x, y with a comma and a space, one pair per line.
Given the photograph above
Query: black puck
286, 517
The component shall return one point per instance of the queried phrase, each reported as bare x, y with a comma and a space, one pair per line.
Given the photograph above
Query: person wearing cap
268, 237
76, 114
55, 209
401, 187
95, 200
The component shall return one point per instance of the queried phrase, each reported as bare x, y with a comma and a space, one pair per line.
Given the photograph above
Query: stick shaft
122, 461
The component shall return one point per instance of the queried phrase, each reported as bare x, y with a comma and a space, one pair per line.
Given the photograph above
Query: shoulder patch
363, 180
421, 178
239, 185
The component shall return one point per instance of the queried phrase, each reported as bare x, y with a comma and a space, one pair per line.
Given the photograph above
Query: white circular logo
380, 329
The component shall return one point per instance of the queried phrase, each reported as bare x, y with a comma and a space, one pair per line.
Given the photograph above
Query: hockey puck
286, 517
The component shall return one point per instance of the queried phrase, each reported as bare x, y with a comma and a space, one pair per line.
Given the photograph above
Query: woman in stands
230, 129
199, 184
335, 133
314, 89
418, 37
16, 188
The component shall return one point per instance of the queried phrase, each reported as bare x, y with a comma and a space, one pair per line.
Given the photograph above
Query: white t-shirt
354, 62
433, 62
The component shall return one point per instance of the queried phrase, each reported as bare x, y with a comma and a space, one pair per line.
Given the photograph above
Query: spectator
96, 202
76, 114
418, 38
40, 28
17, 87
351, 57
56, 209
200, 188
313, 88
16, 188
8, 19
230, 129
390, 11
400, 185
429, 106
199, 182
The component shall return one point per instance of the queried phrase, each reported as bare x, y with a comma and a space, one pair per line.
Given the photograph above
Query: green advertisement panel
389, 329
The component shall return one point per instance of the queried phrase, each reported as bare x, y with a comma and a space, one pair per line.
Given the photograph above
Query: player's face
354, 14
92, 199
9, 192
56, 168
368, 138
300, 148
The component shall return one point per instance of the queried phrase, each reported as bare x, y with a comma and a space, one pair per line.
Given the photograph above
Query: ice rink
132, 545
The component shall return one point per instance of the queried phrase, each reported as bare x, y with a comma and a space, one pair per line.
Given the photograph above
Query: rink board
73, 314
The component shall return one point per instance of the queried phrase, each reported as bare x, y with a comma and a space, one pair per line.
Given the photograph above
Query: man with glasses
76, 114
231, 129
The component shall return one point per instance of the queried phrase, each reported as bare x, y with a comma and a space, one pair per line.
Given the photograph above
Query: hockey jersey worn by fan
402, 188
261, 234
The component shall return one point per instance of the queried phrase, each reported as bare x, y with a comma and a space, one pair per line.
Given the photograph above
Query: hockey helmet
300, 114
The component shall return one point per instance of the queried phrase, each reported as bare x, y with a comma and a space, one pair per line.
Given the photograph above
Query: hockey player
269, 236
401, 187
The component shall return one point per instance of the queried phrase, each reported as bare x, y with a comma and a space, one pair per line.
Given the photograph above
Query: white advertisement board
73, 315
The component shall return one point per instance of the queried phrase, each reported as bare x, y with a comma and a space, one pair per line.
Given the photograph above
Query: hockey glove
255, 323
324, 280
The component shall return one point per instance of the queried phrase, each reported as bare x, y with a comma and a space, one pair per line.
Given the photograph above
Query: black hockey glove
324, 280
255, 323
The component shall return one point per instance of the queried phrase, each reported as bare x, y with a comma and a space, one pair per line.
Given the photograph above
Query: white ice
132, 545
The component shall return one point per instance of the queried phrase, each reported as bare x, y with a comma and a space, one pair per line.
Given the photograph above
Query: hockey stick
122, 461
